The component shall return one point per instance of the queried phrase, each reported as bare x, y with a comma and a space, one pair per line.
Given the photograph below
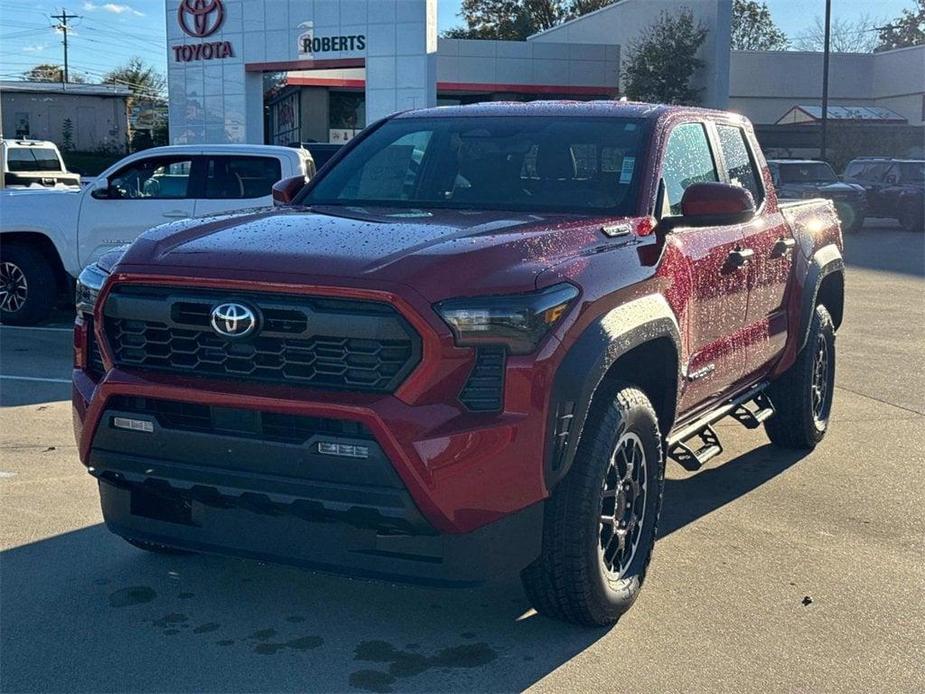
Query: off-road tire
41, 289
155, 547
796, 423
569, 580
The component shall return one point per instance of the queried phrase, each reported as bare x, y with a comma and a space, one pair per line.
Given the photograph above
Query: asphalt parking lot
774, 571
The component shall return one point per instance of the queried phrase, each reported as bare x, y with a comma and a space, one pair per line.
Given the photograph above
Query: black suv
808, 178
895, 188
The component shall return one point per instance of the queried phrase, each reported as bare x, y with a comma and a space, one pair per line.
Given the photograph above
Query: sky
107, 34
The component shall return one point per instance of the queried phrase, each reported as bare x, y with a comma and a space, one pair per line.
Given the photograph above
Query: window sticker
626, 173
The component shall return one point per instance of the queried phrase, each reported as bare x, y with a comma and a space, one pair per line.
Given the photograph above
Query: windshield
511, 163
32, 159
816, 172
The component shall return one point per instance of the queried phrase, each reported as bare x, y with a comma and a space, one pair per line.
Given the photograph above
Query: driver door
140, 195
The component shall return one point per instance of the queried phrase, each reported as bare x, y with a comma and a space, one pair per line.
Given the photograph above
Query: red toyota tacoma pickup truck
467, 346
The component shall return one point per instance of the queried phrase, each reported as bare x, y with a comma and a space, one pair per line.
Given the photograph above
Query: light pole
825, 77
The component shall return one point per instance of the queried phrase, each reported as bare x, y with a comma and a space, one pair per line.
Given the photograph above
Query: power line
63, 28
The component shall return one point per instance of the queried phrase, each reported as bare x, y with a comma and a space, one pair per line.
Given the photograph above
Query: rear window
233, 177
33, 159
528, 163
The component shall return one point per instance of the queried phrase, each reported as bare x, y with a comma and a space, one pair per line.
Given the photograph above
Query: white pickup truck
48, 236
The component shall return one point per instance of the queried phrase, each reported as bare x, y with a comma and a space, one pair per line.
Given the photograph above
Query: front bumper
437, 472
496, 551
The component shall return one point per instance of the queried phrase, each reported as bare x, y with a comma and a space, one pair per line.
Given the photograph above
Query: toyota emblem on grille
233, 320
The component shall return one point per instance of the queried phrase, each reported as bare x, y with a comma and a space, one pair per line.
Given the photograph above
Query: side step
694, 444
754, 418
692, 459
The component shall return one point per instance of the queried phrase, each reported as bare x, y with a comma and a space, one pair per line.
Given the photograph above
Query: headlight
518, 321
89, 283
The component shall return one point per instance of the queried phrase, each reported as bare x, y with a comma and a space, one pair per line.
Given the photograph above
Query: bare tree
848, 36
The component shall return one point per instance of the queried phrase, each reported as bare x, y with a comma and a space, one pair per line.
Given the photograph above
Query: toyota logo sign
233, 320
200, 18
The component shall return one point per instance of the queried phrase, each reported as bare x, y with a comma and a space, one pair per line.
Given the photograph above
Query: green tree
906, 30
515, 20
144, 81
49, 72
753, 28
662, 60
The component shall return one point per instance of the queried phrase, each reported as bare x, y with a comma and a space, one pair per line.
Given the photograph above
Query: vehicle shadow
83, 611
691, 498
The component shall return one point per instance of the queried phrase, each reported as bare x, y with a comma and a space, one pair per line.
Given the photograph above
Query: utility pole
63, 28
825, 76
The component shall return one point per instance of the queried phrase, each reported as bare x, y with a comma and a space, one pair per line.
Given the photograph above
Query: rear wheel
27, 285
600, 523
802, 396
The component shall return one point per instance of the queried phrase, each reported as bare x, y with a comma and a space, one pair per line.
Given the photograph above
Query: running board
694, 444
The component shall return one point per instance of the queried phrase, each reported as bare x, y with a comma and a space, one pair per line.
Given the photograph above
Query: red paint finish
466, 469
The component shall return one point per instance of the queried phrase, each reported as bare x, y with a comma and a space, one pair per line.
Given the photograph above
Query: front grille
318, 342
484, 390
241, 423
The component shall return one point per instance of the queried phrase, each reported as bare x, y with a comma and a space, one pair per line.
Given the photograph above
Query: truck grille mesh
323, 343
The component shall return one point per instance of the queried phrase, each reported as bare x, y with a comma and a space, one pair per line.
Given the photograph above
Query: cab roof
558, 108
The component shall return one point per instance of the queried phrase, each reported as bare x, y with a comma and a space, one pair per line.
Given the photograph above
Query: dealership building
284, 71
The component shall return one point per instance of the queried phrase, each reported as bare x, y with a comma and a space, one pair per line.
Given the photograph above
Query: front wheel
27, 285
803, 394
600, 524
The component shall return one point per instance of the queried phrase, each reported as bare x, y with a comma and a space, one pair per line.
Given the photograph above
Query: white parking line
34, 378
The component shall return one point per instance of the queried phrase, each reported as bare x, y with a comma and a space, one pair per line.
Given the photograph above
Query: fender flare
826, 261
584, 366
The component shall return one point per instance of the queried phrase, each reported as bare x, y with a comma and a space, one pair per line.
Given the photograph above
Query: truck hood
821, 189
504, 251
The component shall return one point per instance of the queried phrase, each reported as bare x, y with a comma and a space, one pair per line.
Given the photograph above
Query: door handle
740, 256
784, 245
176, 214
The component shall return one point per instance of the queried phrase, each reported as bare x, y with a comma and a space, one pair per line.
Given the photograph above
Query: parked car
466, 349
895, 188
808, 178
321, 151
48, 236
34, 164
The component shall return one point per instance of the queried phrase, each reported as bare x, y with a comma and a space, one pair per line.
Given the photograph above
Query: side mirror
285, 191
714, 204
100, 189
